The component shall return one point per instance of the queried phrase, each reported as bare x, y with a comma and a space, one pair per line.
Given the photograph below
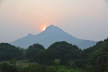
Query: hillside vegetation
58, 57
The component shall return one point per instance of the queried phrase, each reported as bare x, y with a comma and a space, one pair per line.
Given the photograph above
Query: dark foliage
96, 58
93, 59
62, 51
5, 67
32, 51
8, 52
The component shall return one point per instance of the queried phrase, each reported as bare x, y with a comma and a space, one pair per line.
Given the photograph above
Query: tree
62, 51
46, 57
96, 57
98, 61
33, 50
65, 51
8, 52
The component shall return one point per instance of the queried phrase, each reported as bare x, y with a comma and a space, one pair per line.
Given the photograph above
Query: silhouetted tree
59, 50
33, 50
8, 52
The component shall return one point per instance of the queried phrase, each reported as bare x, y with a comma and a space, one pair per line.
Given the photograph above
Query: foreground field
20, 62
27, 66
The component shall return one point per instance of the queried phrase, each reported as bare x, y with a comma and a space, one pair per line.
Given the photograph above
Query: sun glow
44, 28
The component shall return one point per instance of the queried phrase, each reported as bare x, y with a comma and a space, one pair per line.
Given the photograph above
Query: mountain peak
29, 34
52, 28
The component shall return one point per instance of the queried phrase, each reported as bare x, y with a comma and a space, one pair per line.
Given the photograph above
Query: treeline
8, 52
93, 59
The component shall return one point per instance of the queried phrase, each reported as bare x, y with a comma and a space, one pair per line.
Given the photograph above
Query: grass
24, 62
4, 62
20, 62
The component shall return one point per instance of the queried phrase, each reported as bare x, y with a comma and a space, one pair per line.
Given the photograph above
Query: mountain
86, 44
50, 35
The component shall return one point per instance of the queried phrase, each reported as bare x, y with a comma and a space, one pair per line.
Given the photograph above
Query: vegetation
59, 57
7, 67
33, 50
8, 52
98, 59
62, 51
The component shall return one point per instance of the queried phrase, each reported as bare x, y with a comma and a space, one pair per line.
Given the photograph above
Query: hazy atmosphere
84, 19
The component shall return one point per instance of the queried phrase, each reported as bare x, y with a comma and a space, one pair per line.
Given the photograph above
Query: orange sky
73, 16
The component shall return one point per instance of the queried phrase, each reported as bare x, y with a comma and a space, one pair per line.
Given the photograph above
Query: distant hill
50, 35
86, 44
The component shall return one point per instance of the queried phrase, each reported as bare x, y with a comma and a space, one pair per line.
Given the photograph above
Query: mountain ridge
50, 35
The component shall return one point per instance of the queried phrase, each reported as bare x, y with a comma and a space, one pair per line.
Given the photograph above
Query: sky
84, 19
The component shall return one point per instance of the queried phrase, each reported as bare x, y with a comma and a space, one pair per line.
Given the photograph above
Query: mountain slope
86, 44
46, 38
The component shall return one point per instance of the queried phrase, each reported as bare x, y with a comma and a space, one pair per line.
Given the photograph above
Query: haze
84, 19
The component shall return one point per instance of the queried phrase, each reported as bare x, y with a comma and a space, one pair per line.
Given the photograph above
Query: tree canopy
96, 57
59, 50
33, 50
8, 52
